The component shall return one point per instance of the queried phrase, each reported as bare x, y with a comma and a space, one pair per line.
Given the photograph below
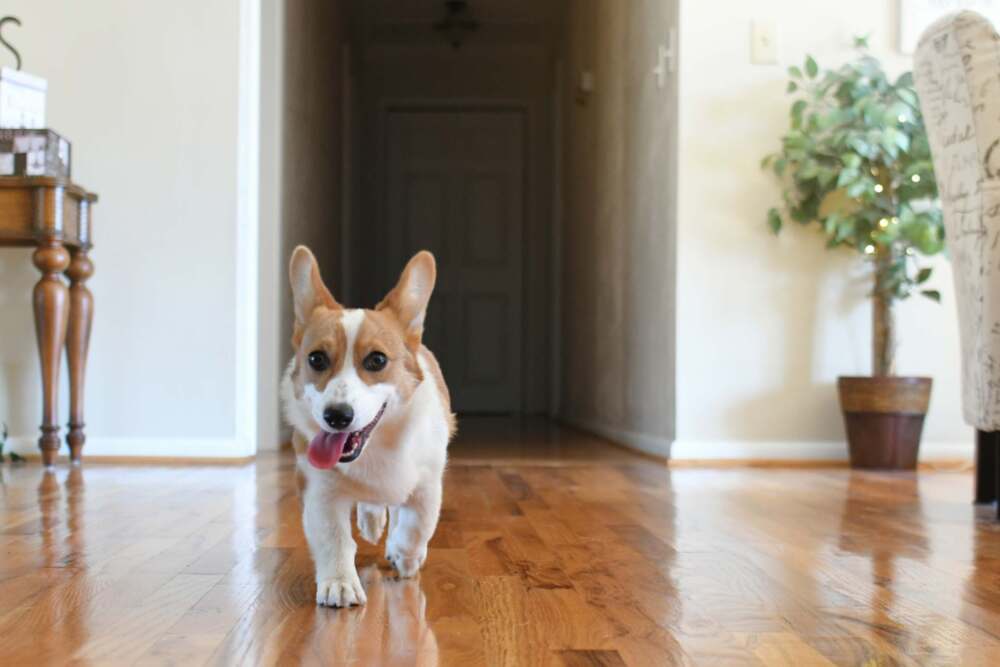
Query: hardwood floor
548, 553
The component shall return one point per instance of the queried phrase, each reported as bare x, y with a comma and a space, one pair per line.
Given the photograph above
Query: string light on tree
915, 178
869, 249
878, 187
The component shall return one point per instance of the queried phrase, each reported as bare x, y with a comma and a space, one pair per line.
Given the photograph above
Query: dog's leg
371, 521
411, 526
327, 524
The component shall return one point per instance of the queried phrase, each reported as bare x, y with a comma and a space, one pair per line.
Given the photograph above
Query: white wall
273, 281
155, 98
765, 325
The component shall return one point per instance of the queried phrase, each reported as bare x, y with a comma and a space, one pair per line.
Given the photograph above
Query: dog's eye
375, 361
318, 361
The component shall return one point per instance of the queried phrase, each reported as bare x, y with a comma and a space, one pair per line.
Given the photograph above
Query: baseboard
640, 442
805, 450
148, 448
754, 450
764, 450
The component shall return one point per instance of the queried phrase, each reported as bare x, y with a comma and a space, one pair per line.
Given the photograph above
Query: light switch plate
764, 43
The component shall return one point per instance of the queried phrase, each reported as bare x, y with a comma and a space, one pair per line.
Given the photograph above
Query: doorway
453, 151
566, 309
454, 184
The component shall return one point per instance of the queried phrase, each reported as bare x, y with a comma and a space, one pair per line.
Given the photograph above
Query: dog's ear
308, 290
408, 299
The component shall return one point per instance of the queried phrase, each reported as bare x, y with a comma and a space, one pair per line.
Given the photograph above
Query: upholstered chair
957, 75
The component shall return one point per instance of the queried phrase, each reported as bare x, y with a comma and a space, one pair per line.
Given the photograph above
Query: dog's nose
339, 416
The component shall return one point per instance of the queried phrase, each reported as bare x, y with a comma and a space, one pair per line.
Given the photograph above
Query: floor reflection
391, 629
979, 595
49, 516
44, 535
898, 521
549, 561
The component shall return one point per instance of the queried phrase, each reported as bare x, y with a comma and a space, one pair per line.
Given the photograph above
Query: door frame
530, 116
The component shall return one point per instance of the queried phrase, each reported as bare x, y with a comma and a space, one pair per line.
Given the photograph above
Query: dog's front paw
406, 565
371, 522
343, 590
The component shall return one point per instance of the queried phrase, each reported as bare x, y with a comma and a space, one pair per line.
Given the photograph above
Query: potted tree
855, 163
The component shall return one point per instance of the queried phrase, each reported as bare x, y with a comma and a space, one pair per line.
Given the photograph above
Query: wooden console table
54, 215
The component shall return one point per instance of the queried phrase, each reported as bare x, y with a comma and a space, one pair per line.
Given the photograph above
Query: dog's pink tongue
326, 448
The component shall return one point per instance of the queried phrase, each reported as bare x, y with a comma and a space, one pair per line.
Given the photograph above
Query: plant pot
884, 417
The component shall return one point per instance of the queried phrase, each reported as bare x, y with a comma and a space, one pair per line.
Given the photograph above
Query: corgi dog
371, 419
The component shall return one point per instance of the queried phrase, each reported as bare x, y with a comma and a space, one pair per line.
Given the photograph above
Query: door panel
486, 241
455, 186
426, 217
484, 319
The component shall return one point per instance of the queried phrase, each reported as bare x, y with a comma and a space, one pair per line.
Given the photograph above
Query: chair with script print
957, 75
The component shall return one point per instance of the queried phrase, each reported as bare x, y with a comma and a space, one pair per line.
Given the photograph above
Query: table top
33, 208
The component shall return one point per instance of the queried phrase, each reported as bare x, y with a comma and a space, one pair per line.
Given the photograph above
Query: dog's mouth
328, 449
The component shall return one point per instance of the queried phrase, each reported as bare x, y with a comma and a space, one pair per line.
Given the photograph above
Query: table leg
996, 480
987, 462
81, 316
51, 301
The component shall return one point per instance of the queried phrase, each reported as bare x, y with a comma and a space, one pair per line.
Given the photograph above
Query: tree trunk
883, 319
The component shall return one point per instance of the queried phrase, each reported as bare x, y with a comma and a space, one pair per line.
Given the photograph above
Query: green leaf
811, 68
924, 275
845, 229
862, 147
796, 113
810, 168
857, 189
792, 87
826, 177
852, 160
800, 215
795, 72
795, 138
925, 235
830, 224
907, 96
774, 220
847, 176
932, 294
861, 41
902, 141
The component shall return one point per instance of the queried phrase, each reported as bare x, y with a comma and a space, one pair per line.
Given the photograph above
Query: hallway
599, 557
531, 158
